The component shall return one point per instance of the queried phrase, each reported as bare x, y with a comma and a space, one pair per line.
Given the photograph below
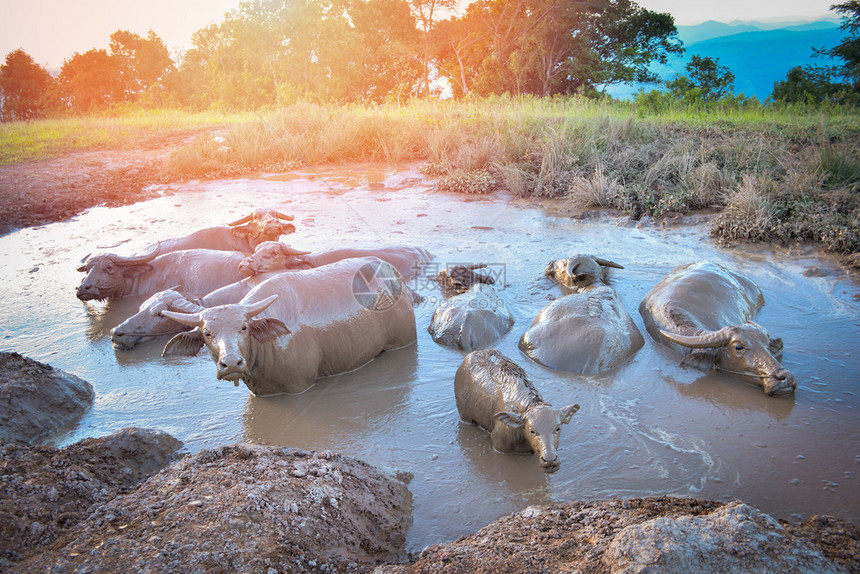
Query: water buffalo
458, 279
580, 272
317, 322
242, 235
706, 306
149, 321
588, 331
471, 320
494, 392
271, 256
196, 271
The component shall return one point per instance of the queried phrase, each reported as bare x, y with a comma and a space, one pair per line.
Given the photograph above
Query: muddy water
649, 427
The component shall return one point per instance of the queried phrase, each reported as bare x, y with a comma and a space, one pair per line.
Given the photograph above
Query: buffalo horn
138, 259
705, 340
607, 263
283, 216
190, 319
245, 219
293, 252
185, 306
252, 309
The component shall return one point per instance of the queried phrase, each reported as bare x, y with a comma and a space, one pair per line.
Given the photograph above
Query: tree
849, 49
144, 63
27, 90
705, 80
92, 80
547, 47
426, 12
811, 85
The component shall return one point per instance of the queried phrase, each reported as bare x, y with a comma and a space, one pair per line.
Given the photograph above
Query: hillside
757, 56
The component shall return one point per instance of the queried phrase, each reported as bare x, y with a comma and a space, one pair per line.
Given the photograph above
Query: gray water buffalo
588, 331
272, 256
196, 271
296, 327
580, 272
458, 279
149, 321
495, 393
472, 320
706, 306
242, 235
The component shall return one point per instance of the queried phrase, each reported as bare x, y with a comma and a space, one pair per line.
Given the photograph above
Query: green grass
776, 173
22, 142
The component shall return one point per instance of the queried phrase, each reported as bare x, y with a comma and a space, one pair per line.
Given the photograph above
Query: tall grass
777, 173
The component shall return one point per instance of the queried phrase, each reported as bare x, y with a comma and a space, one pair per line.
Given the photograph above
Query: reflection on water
648, 427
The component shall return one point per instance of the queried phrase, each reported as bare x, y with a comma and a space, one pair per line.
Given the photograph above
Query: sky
53, 30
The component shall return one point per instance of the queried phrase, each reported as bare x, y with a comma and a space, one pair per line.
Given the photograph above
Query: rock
37, 400
587, 537
471, 321
45, 490
242, 508
734, 538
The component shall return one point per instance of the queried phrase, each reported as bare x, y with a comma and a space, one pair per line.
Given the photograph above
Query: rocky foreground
135, 502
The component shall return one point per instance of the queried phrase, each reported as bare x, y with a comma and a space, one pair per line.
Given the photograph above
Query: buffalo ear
188, 343
82, 268
287, 228
775, 347
567, 412
510, 419
136, 270
265, 330
240, 231
701, 360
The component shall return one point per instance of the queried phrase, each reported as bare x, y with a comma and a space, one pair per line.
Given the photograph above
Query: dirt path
56, 189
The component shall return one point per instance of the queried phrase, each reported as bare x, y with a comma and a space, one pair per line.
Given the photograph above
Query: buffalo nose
545, 462
237, 362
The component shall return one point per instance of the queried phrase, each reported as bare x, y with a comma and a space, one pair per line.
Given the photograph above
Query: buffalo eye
207, 333
244, 328
532, 431
557, 429
739, 347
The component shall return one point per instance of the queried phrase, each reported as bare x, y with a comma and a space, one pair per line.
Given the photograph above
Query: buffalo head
272, 256
263, 225
107, 274
149, 321
745, 351
541, 425
458, 279
229, 332
581, 271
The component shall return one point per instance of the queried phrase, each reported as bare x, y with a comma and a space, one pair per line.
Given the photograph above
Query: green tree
27, 90
706, 79
811, 85
92, 80
849, 49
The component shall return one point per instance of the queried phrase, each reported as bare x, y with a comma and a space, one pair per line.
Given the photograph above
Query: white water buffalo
706, 306
149, 321
472, 320
494, 392
242, 235
196, 271
271, 256
588, 331
317, 322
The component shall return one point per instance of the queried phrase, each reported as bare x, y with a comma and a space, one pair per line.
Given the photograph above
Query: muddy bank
134, 501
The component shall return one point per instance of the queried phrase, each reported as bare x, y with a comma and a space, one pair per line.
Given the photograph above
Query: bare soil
51, 190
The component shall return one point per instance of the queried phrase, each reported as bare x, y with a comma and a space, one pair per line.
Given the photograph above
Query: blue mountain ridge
757, 57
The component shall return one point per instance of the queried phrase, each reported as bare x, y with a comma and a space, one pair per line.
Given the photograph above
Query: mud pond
649, 427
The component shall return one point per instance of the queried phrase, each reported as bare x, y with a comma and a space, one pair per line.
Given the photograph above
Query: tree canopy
27, 90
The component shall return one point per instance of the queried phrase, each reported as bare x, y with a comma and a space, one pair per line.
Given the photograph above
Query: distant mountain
757, 53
